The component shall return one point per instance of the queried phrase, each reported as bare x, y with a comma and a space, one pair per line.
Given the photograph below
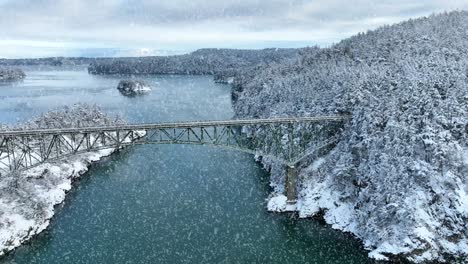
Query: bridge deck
234, 122
278, 138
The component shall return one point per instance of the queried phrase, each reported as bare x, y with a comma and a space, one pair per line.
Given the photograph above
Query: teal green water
166, 204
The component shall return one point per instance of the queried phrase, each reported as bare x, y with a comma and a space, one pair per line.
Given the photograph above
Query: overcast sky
38, 28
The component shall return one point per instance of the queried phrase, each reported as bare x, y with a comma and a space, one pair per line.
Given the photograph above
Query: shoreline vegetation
7, 74
398, 177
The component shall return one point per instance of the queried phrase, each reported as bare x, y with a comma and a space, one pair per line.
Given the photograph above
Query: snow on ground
318, 193
277, 203
27, 200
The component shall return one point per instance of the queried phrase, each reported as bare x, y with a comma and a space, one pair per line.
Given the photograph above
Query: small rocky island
11, 74
133, 87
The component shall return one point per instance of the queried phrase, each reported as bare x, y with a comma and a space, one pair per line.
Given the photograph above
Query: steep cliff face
397, 179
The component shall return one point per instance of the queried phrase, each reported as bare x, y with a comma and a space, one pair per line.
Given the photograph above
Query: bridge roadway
288, 139
219, 123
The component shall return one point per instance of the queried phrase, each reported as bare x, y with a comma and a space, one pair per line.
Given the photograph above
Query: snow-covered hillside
397, 178
27, 199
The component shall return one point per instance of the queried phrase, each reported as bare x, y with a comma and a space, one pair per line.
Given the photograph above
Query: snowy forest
204, 61
402, 163
7, 74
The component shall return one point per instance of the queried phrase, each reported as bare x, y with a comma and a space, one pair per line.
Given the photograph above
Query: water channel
165, 204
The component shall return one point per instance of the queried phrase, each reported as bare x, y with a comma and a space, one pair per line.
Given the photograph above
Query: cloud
65, 25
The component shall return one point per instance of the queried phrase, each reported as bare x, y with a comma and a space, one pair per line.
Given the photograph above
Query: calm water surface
165, 204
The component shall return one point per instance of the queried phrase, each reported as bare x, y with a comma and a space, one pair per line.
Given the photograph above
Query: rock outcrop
133, 87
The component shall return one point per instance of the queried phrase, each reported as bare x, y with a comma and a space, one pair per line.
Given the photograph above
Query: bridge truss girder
288, 142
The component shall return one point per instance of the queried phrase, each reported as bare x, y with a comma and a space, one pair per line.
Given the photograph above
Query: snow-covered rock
133, 87
277, 203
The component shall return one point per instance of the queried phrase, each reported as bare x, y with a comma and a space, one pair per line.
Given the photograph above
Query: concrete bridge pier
291, 181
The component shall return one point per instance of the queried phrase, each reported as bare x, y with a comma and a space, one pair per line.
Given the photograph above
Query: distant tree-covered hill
53, 61
219, 62
204, 61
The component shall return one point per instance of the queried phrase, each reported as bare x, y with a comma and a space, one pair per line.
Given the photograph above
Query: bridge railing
234, 122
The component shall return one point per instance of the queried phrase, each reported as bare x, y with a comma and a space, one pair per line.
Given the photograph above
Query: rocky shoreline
16, 228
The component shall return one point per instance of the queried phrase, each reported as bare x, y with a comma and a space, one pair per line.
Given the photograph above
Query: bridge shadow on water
181, 204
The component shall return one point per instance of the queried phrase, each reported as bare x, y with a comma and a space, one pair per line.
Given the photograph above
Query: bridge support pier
291, 180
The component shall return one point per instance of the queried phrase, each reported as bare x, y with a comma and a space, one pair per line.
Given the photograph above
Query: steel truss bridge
288, 140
